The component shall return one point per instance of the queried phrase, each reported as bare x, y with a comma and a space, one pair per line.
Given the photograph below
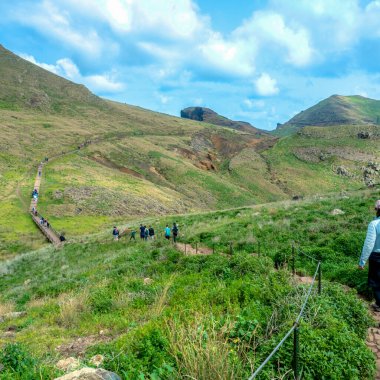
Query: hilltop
336, 110
207, 115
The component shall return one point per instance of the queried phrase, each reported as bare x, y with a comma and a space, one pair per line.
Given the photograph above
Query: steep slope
209, 116
26, 86
336, 110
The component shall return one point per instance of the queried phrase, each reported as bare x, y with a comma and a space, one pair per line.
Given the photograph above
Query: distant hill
209, 116
27, 86
337, 110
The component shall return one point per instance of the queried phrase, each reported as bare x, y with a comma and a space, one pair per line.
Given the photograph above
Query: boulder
147, 281
12, 315
90, 374
97, 360
68, 364
341, 170
337, 211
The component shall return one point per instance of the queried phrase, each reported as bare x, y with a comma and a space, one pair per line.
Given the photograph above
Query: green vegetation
335, 110
157, 314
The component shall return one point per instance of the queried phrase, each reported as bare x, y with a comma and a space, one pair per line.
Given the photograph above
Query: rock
68, 364
341, 170
147, 281
337, 211
97, 360
27, 282
12, 315
90, 374
364, 135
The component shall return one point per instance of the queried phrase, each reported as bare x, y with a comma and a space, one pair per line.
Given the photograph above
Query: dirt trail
187, 249
373, 341
50, 234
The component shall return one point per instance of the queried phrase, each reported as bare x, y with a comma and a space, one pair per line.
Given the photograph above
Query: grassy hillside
335, 110
141, 163
155, 313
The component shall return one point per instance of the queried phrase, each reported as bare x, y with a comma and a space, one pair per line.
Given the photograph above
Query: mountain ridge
337, 110
207, 115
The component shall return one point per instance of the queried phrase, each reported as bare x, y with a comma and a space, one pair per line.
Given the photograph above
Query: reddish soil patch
109, 164
187, 249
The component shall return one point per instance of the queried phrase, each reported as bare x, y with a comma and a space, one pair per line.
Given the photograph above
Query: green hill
336, 110
139, 163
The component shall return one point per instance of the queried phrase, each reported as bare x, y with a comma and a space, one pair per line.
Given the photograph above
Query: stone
90, 374
147, 281
337, 211
12, 315
341, 170
97, 360
27, 282
68, 364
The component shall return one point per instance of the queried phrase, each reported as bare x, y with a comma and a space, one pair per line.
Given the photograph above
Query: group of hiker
147, 233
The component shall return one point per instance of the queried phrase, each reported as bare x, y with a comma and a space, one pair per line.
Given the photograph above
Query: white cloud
269, 30
249, 103
54, 21
265, 85
65, 67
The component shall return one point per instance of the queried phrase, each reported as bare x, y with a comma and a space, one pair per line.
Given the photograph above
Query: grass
214, 316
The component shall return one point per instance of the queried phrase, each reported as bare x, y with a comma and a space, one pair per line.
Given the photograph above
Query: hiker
47, 224
175, 232
151, 232
42, 221
35, 212
133, 235
115, 233
167, 232
39, 173
146, 233
62, 237
142, 232
371, 252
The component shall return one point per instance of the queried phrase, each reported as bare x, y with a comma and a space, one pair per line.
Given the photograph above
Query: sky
260, 61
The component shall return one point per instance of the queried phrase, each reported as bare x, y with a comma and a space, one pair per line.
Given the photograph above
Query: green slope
335, 110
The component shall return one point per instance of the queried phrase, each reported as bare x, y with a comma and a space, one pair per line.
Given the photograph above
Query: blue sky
260, 61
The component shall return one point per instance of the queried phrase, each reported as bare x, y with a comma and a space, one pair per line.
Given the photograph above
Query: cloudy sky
260, 61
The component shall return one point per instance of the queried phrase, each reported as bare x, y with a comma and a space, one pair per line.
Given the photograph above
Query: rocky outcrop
207, 115
90, 374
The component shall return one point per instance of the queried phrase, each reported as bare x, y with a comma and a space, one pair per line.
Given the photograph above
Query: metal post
296, 344
231, 248
293, 260
258, 248
196, 248
319, 278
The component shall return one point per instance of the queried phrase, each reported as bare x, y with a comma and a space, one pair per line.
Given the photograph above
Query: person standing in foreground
371, 250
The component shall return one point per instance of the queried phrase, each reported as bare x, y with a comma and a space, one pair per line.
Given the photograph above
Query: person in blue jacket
371, 252
167, 232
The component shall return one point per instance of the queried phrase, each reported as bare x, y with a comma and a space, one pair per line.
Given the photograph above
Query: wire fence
296, 325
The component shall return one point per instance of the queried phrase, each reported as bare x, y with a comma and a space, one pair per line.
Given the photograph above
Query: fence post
196, 248
185, 248
293, 260
296, 343
231, 251
258, 248
213, 248
319, 278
